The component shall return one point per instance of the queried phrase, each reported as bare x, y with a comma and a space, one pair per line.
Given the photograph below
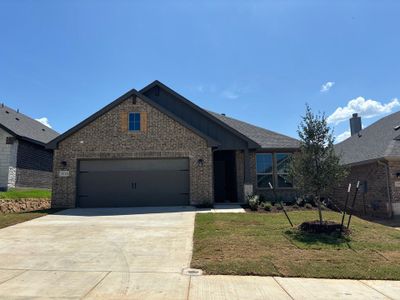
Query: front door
225, 176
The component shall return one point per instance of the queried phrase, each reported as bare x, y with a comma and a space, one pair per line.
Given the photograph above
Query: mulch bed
327, 227
277, 209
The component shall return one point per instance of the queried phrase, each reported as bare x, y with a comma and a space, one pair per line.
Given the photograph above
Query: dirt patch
23, 205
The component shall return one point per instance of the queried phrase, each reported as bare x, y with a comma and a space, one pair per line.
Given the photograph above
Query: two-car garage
133, 182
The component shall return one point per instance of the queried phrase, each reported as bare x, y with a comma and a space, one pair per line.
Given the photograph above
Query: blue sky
259, 61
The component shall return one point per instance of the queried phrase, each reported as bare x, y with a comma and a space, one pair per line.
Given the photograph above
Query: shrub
265, 206
300, 202
253, 202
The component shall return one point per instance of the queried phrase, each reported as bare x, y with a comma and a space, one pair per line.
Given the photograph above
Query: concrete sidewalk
252, 287
139, 253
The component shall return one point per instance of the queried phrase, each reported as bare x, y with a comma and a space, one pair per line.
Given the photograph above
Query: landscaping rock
23, 205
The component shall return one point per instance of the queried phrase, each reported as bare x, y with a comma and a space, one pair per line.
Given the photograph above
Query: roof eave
276, 149
20, 137
53, 144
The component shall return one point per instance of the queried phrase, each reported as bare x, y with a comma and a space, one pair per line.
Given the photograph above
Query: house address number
63, 173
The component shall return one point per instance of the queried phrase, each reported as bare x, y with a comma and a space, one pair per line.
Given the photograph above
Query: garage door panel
134, 165
109, 187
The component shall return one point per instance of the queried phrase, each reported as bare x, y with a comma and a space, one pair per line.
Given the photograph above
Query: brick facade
239, 160
394, 175
104, 138
372, 198
286, 194
33, 178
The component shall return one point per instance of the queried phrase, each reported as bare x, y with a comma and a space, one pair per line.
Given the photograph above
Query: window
264, 167
134, 121
282, 170
273, 167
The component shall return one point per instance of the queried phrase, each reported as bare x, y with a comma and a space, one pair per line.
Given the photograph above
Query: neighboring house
373, 157
155, 148
24, 160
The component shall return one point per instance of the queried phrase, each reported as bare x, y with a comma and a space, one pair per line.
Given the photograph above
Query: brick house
373, 157
154, 147
24, 159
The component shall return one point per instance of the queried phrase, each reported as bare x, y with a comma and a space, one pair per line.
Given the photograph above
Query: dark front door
225, 176
140, 182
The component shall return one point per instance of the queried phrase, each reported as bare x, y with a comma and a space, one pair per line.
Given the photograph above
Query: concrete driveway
110, 253
139, 253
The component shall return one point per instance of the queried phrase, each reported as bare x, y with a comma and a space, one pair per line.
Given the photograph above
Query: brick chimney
355, 124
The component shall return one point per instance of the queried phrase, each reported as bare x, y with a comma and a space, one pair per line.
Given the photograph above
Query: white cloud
230, 94
341, 137
327, 86
200, 88
205, 88
44, 121
366, 109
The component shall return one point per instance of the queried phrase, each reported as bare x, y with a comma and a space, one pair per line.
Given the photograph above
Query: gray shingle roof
265, 138
24, 126
376, 141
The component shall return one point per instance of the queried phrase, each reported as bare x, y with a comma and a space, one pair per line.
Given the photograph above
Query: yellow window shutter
124, 121
143, 121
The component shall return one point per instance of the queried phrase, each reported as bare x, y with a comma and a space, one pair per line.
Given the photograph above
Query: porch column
246, 166
247, 186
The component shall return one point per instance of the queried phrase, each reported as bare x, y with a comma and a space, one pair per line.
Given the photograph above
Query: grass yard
15, 218
264, 244
25, 193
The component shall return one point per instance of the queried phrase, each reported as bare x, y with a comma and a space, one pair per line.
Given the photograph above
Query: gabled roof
256, 137
53, 144
211, 117
24, 127
265, 138
377, 141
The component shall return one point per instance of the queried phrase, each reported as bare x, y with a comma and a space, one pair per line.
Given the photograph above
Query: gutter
385, 164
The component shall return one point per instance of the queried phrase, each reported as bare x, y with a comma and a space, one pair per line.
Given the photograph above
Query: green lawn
264, 244
15, 218
25, 193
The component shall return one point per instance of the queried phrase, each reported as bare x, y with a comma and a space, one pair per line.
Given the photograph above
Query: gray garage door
139, 182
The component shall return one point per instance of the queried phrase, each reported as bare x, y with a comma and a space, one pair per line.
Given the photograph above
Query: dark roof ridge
376, 141
259, 127
370, 127
24, 127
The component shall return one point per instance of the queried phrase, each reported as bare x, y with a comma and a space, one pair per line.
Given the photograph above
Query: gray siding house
154, 147
24, 159
373, 157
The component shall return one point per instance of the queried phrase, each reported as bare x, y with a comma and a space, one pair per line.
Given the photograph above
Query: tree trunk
317, 199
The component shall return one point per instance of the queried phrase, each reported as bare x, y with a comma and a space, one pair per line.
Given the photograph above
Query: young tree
316, 168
